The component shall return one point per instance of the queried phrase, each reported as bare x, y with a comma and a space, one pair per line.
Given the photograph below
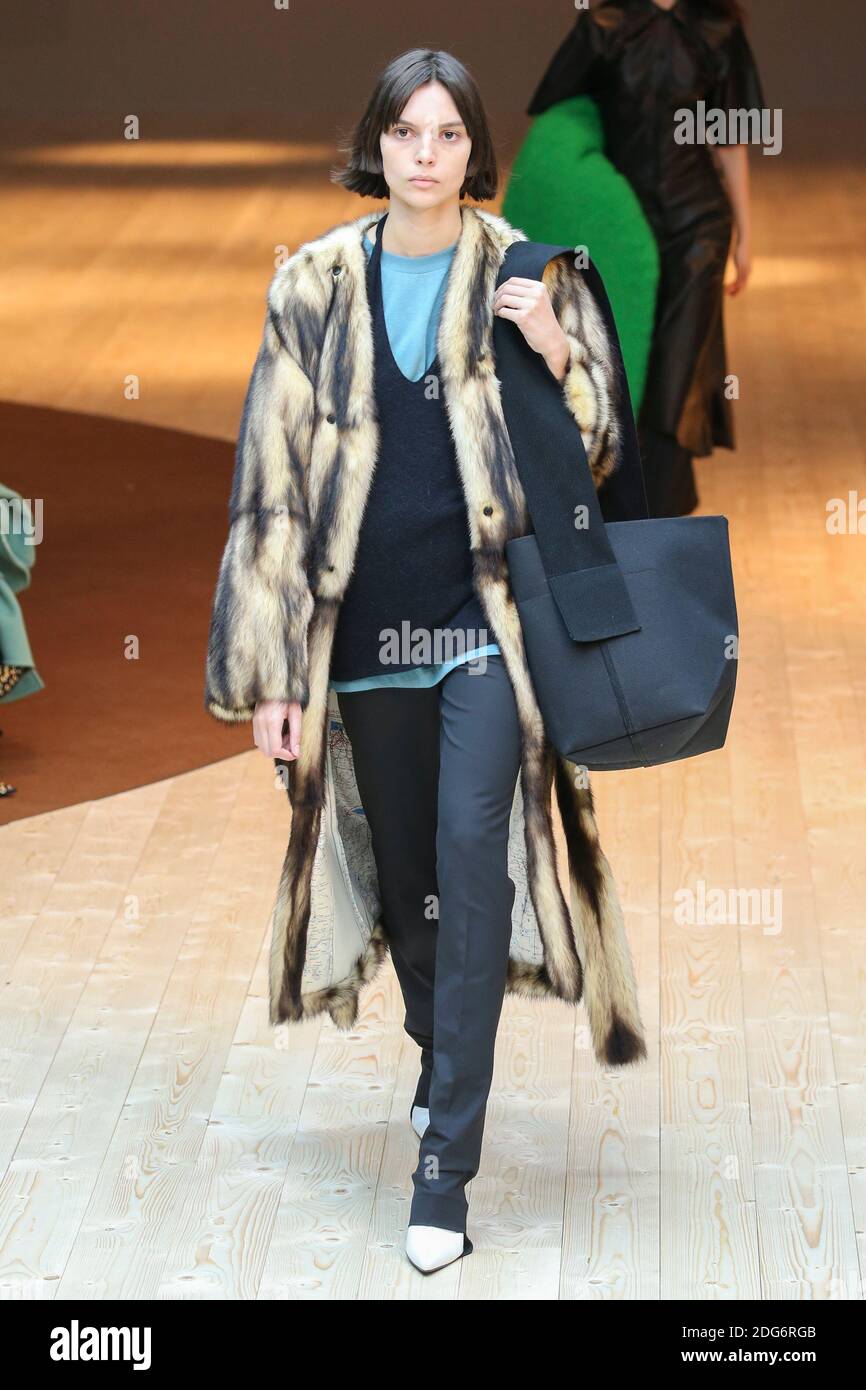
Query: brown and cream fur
305, 462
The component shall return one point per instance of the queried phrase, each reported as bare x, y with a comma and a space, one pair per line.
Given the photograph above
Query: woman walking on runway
375, 490
642, 61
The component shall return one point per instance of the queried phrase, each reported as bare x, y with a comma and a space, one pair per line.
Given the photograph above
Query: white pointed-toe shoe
420, 1117
430, 1247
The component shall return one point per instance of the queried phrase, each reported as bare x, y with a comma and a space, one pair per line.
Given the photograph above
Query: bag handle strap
579, 562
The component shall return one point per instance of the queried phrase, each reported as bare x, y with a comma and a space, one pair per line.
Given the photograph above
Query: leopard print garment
9, 676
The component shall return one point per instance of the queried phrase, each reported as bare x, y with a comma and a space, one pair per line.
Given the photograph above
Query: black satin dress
641, 64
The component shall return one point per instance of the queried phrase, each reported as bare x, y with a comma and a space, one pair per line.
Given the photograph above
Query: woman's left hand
742, 259
527, 302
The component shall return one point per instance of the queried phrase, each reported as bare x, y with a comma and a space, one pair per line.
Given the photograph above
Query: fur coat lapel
305, 461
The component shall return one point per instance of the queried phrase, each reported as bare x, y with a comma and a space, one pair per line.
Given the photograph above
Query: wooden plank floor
159, 1140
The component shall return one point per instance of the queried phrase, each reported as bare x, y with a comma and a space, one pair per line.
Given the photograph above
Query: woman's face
430, 142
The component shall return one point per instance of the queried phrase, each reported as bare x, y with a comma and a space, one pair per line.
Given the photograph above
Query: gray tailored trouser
436, 769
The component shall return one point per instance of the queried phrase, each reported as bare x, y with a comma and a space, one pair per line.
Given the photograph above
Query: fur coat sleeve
592, 387
262, 605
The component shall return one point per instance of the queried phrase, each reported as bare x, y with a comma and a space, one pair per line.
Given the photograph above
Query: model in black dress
642, 62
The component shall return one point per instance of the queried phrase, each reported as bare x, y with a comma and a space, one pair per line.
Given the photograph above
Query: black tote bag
630, 626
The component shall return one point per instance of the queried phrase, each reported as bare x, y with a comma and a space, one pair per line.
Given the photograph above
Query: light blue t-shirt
413, 290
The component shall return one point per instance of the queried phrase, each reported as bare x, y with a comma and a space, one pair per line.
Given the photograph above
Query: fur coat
305, 460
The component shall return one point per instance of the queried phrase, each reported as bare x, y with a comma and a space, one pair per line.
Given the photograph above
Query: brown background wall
190, 65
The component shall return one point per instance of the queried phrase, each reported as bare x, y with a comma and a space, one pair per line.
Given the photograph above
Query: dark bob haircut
363, 172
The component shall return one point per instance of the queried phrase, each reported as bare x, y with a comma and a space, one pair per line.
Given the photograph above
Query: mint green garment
419, 676
413, 288
17, 557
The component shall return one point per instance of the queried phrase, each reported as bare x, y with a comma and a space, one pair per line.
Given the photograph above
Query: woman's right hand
268, 719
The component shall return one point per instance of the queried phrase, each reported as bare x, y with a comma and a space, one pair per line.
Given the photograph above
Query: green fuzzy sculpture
564, 190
